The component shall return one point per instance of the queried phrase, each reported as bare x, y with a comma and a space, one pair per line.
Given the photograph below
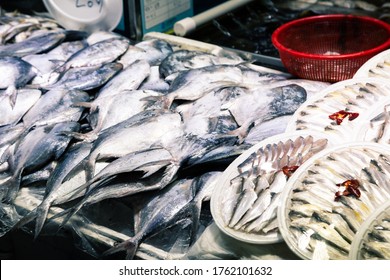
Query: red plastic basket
330, 48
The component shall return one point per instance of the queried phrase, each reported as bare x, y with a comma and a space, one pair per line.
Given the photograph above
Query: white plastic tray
311, 179
373, 66
354, 95
224, 183
363, 235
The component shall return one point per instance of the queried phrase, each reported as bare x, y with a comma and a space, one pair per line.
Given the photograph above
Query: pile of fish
331, 198
92, 117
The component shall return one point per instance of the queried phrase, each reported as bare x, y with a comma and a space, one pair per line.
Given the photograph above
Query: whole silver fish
100, 53
47, 62
193, 84
33, 45
85, 78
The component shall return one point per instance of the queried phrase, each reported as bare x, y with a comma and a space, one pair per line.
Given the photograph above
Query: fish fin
59, 215
152, 167
90, 168
70, 212
12, 94
163, 101
32, 86
6, 154
57, 61
26, 219
130, 246
41, 214
12, 186
83, 104
242, 131
80, 136
195, 217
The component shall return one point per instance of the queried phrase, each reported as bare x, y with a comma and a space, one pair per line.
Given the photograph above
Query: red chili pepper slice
341, 115
289, 170
349, 187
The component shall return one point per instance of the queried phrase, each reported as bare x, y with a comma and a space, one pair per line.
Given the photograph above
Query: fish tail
80, 136
61, 214
12, 188
41, 213
32, 86
90, 168
6, 154
83, 104
162, 101
26, 219
70, 212
195, 212
242, 131
130, 246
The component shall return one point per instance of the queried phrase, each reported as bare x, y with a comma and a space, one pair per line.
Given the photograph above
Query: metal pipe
186, 25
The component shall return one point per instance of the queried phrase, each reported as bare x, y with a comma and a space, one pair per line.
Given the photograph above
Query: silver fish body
54, 187
48, 62
154, 81
111, 110
145, 129
193, 84
271, 103
56, 106
155, 50
36, 149
97, 54
163, 211
182, 60
129, 78
33, 45
25, 99
86, 78
16, 73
